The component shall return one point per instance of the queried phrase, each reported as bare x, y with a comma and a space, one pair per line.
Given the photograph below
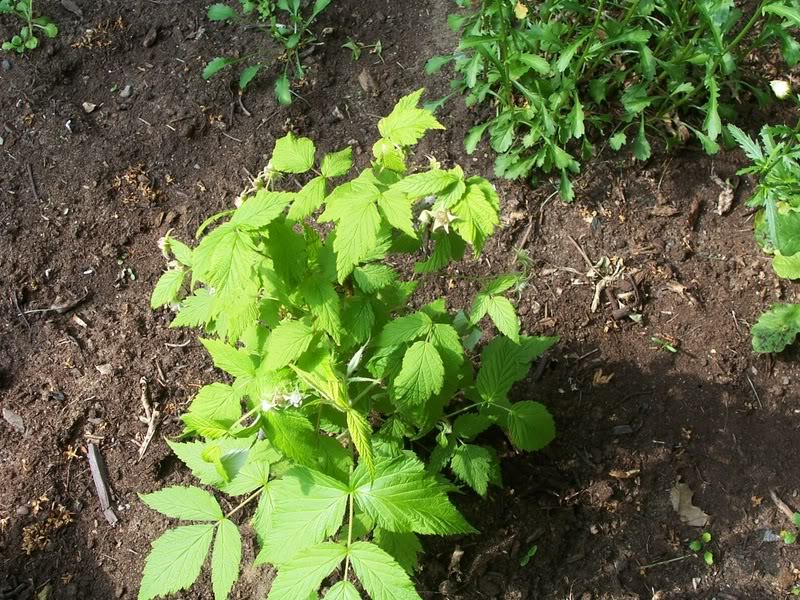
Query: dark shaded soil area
84, 196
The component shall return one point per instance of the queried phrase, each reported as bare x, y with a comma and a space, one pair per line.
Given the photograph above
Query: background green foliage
28, 37
563, 76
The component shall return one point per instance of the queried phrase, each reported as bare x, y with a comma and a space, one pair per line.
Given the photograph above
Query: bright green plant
790, 537
339, 389
562, 75
700, 544
777, 224
288, 23
33, 27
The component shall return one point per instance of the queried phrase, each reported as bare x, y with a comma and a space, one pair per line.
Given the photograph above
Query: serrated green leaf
379, 573
308, 199
776, 328
195, 310
293, 435
175, 561
530, 425
234, 453
338, 163
168, 287
782, 10
477, 218
324, 303
421, 376
787, 267
503, 363
221, 12
342, 590
225, 559
435, 64
185, 503
395, 206
356, 236
746, 143
236, 362
373, 277
640, 146
262, 518
448, 343
303, 575
255, 471
403, 497
283, 90
361, 434
618, 140
207, 428
287, 343
504, 316
426, 183
225, 259
260, 210
293, 155
712, 123
469, 425
406, 124
218, 402
405, 329
404, 548
309, 507
472, 465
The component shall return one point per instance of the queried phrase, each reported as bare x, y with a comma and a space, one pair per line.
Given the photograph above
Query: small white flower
267, 405
425, 217
442, 219
780, 88
163, 245
239, 201
295, 398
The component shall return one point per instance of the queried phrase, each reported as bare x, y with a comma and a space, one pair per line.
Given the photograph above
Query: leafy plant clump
776, 164
28, 37
345, 406
562, 75
288, 23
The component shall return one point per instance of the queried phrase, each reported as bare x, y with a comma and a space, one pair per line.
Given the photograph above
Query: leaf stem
504, 52
349, 531
747, 27
243, 418
245, 502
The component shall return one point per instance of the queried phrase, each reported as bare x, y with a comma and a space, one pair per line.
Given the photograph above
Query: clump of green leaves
700, 545
561, 75
337, 388
790, 537
33, 28
288, 23
777, 224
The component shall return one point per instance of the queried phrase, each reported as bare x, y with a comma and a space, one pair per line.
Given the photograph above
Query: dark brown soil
85, 196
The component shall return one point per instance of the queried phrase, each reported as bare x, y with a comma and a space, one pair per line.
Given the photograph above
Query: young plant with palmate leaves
287, 22
336, 383
562, 76
776, 164
33, 27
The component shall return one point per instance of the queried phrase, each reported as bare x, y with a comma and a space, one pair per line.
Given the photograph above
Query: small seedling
528, 555
357, 47
699, 544
663, 344
27, 38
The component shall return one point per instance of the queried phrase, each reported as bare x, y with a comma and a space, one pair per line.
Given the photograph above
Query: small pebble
6, 64
23, 511
150, 38
126, 92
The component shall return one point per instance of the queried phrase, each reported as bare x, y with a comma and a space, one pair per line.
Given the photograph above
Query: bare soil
86, 195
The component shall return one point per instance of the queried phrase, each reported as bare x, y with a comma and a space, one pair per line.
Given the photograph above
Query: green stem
588, 45
349, 532
504, 52
245, 502
244, 418
362, 394
753, 19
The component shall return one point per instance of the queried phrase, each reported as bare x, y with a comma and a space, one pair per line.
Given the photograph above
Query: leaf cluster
564, 75
333, 379
28, 37
286, 22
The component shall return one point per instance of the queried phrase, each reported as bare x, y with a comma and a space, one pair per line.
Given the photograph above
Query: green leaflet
225, 559
168, 288
218, 402
175, 561
380, 575
309, 507
185, 503
421, 376
502, 313
473, 465
503, 363
787, 267
293, 435
342, 590
287, 343
262, 209
338, 163
404, 548
303, 575
236, 362
776, 328
405, 329
407, 124
309, 199
293, 155
530, 425
403, 497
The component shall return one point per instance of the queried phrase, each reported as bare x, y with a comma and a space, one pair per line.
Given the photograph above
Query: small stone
120, 591
23, 511
6, 64
57, 396
104, 369
88, 107
621, 430
126, 92
150, 37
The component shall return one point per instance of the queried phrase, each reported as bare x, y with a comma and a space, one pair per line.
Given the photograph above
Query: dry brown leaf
681, 496
600, 378
725, 198
664, 210
617, 474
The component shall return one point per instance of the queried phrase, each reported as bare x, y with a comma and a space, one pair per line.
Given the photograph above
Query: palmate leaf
225, 559
293, 155
477, 218
379, 573
260, 210
185, 503
405, 329
233, 361
503, 363
287, 343
302, 576
403, 497
175, 561
406, 124
309, 507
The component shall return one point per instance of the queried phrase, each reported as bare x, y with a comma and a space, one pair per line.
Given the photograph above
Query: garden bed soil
86, 196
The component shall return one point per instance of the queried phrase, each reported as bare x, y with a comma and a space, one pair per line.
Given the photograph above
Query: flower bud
780, 88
